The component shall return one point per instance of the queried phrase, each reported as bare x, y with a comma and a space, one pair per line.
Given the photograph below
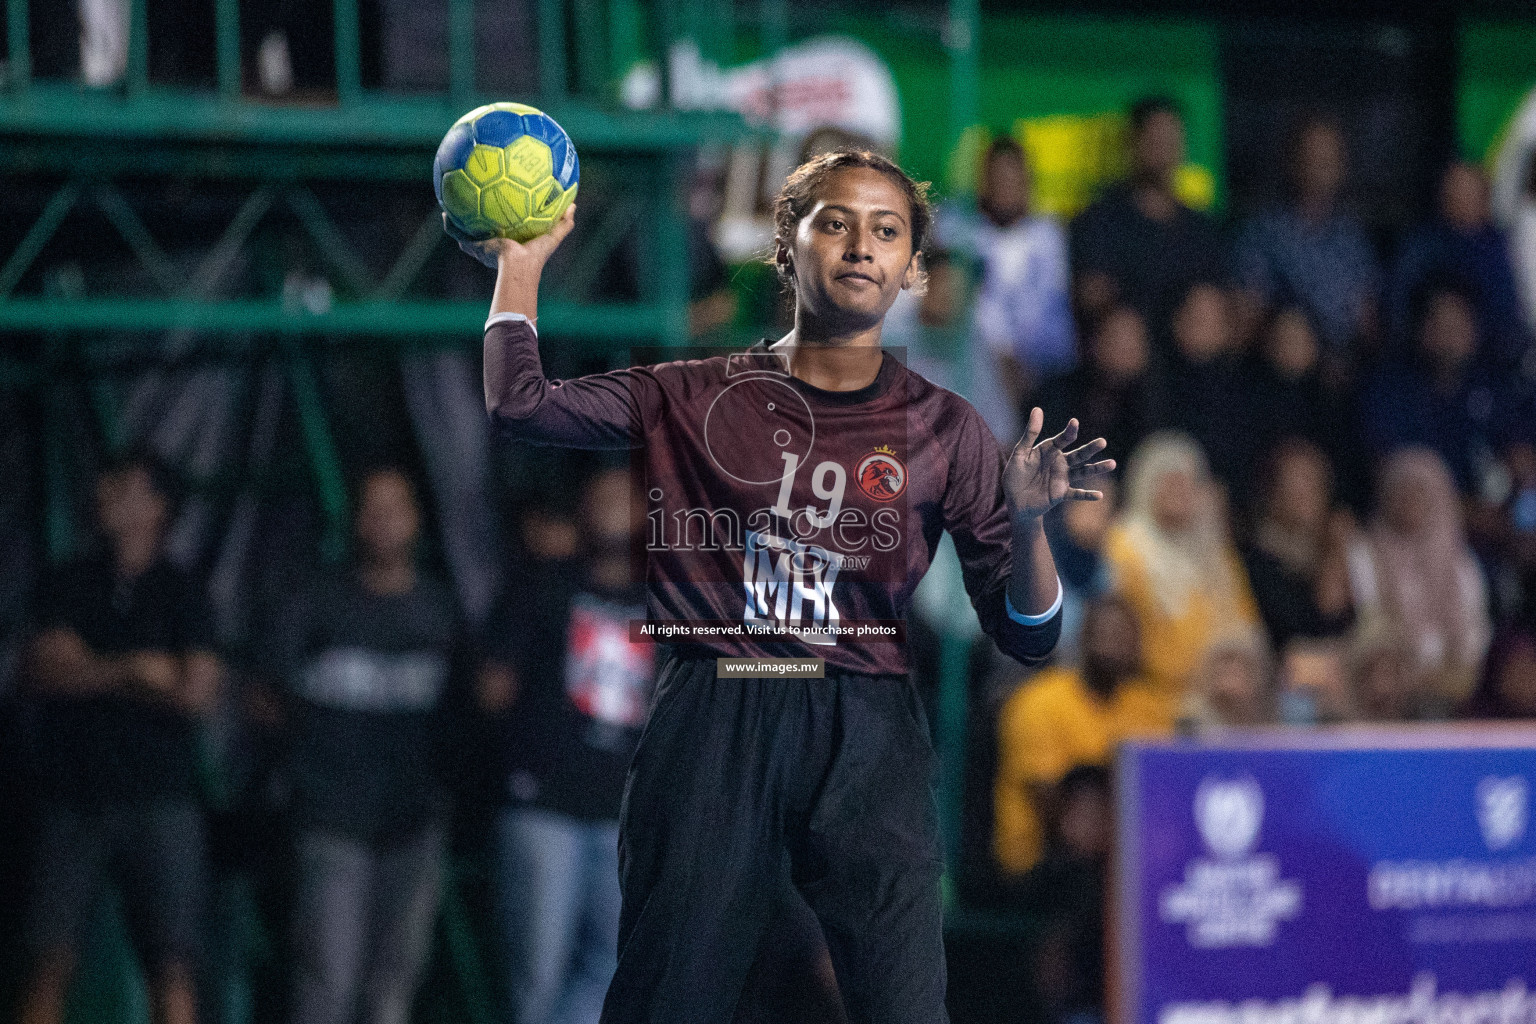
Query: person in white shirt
1522, 244
1023, 304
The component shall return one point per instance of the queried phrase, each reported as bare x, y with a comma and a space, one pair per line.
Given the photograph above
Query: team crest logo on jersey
881, 475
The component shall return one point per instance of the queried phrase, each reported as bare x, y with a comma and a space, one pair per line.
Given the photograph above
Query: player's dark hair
798, 196
1148, 107
936, 257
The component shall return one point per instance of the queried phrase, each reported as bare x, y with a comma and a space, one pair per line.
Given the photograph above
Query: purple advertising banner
1356, 877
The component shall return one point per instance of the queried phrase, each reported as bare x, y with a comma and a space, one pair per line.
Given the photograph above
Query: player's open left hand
1038, 477
532, 253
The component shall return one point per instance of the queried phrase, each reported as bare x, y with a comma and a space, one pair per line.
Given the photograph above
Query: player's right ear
914, 278
782, 261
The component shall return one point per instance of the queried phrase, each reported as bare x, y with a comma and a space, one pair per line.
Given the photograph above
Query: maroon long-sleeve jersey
774, 506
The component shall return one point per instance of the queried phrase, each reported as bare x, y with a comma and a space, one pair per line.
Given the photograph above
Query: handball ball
506, 170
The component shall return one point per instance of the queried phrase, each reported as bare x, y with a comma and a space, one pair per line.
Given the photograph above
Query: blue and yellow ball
505, 169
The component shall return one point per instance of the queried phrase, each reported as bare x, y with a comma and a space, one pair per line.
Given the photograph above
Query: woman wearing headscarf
1414, 569
1508, 686
1170, 555
1234, 688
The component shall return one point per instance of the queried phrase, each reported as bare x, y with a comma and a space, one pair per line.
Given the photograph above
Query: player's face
852, 254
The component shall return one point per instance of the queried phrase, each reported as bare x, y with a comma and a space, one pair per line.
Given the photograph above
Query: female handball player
795, 495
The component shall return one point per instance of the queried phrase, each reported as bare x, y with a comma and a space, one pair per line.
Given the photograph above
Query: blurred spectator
1434, 397
547, 535
575, 691
935, 325
1463, 246
1204, 385
367, 656
1517, 550
1311, 253
103, 42
1064, 717
1316, 685
1501, 523
1232, 688
1285, 392
1076, 531
1110, 392
1381, 686
1296, 561
289, 46
123, 668
414, 46
1024, 305
1522, 244
937, 329
1172, 558
712, 302
1138, 244
1065, 891
1413, 568
1508, 685
944, 317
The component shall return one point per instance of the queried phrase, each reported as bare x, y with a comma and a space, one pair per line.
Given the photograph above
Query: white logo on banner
1502, 810
1229, 814
1237, 899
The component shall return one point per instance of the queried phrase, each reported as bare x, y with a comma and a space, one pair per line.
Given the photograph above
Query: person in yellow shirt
1172, 559
1065, 717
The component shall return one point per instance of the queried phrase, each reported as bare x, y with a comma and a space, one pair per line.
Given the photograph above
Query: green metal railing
365, 134
227, 46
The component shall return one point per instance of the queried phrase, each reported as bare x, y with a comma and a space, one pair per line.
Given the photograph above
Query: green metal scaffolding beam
423, 318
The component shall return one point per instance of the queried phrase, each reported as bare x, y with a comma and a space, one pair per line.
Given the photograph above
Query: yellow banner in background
1071, 157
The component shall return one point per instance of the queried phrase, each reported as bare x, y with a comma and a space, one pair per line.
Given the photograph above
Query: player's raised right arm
519, 266
600, 411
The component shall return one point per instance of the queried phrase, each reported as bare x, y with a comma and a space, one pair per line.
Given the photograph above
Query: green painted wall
1497, 69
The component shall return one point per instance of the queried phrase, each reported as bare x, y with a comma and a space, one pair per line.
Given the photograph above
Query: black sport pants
734, 780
